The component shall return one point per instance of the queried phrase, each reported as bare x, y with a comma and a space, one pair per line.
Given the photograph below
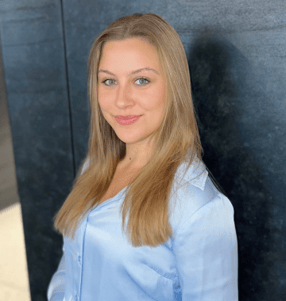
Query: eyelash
143, 78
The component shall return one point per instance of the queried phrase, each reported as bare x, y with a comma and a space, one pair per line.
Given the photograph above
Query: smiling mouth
127, 121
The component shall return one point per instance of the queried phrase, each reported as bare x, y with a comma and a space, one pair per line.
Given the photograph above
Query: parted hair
176, 140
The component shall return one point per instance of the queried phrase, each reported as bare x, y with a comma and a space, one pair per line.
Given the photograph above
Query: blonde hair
177, 140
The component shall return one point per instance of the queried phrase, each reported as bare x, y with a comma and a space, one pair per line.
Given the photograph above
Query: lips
126, 117
127, 121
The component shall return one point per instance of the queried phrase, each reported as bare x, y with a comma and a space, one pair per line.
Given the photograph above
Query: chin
128, 137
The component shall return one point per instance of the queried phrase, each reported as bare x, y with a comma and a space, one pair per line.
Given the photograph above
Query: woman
180, 242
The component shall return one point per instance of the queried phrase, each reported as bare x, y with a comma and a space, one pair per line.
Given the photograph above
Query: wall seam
68, 86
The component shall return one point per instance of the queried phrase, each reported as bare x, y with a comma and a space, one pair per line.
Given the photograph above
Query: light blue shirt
198, 263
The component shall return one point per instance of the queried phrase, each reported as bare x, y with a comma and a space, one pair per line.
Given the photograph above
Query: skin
130, 94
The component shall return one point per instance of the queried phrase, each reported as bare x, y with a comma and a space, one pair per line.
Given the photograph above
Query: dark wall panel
34, 69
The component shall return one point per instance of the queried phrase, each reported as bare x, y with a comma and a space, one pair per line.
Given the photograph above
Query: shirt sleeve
205, 248
56, 288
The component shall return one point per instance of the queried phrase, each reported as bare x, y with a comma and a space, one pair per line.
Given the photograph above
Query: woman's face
125, 87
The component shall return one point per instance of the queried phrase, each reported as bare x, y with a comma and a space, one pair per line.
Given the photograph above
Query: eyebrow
133, 72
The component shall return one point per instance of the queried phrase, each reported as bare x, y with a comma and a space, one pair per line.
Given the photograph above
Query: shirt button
79, 259
75, 297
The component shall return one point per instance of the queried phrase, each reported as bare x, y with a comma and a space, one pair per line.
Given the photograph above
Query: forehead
130, 51
128, 42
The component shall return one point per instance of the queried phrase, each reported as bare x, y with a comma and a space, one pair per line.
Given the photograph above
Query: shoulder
194, 191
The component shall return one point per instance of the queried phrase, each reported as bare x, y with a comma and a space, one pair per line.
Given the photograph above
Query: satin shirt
198, 263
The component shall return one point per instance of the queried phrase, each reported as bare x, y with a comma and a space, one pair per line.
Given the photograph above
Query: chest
121, 179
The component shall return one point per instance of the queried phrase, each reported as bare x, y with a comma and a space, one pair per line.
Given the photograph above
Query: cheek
101, 95
158, 98
103, 107
103, 101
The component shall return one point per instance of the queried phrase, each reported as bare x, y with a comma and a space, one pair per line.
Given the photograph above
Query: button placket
80, 257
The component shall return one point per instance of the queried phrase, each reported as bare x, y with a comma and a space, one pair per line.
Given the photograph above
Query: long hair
177, 140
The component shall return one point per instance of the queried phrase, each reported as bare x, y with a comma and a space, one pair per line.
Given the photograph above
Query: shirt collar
196, 174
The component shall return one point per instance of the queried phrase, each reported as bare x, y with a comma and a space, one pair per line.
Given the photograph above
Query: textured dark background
236, 53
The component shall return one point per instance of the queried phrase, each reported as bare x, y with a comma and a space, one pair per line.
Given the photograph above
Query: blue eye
104, 82
143, 79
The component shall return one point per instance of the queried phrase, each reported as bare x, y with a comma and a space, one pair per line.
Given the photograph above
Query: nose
124, 95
